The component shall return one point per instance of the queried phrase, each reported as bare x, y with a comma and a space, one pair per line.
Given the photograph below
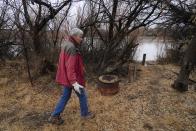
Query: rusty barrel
108, 85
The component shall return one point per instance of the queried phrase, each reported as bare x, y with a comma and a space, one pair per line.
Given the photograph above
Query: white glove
77, 87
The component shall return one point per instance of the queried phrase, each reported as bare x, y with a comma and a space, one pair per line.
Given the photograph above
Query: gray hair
76, 31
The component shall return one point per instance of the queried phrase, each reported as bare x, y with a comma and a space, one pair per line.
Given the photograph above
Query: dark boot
55, 120
89, 116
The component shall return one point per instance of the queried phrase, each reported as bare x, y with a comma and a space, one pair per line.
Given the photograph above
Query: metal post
144, 59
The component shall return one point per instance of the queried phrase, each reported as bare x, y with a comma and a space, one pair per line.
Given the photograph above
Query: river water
152, 47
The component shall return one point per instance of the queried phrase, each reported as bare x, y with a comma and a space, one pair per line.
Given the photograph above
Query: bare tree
41, 17
113, 21
30, 22
185, 15
5, 31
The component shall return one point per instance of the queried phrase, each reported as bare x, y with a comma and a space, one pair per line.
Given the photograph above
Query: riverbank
149, 103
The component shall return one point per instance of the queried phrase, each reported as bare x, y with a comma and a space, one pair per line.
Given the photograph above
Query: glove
77, 87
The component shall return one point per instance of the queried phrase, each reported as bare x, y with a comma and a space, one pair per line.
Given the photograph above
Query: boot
55, 120
89, 116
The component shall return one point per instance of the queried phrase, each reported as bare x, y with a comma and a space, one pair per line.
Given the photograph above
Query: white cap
76, 31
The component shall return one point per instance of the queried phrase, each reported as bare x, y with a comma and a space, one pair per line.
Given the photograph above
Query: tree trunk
36, 43
181, 83
189, 61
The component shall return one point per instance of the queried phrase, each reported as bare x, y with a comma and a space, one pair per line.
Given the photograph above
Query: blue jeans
65, 98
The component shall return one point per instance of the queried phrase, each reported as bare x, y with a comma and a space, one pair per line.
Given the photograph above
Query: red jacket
70, 66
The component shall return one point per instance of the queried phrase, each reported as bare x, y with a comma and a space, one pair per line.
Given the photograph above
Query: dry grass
146, 104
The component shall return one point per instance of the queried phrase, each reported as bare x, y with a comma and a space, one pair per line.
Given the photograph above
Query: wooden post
132, 73
144, 59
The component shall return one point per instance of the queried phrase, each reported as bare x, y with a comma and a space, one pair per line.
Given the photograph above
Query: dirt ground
149, 103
